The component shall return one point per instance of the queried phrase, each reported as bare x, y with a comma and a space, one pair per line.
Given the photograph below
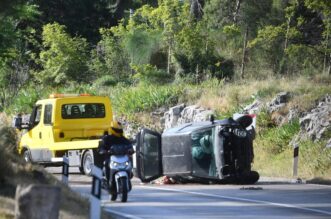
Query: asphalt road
266, 199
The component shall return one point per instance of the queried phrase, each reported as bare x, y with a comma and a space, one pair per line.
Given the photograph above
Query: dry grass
7, 208
227, 97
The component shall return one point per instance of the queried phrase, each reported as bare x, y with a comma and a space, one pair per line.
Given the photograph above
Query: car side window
48, 114
203, 157
38, 115
35, 116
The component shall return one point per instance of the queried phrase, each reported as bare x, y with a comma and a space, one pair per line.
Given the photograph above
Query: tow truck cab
65, 124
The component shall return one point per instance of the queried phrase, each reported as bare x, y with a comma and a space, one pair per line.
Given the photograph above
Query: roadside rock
254, 108
131, 130
194, 113
293, 114
317, 123
328, 145
37, 202
180, 114
279, 102
277, 108
172, 116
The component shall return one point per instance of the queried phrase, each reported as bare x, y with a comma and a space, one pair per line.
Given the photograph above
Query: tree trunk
286, 35
236, 12
329, 70
242, 72
326, 49
169, 59
197, 74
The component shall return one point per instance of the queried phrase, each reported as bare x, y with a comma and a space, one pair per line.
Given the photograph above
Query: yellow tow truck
65, 124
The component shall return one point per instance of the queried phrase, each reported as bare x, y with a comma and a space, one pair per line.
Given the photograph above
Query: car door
35, 127
149, 155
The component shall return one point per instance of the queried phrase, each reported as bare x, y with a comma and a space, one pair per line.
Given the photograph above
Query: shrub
25, 100
128, 100
148, 74
8, 142
321, 162
275, 140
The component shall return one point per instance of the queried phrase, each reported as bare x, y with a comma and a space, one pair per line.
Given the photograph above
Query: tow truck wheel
87, 163
26, 156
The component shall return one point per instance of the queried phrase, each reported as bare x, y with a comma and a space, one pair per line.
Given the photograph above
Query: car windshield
83, 110
203, 156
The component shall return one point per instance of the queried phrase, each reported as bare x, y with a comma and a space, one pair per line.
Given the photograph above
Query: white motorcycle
120, 175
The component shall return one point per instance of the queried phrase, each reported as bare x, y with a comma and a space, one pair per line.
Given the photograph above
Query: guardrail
65, 170
95, 209
295, 159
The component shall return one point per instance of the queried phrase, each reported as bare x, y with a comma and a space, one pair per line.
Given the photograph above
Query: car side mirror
17, 122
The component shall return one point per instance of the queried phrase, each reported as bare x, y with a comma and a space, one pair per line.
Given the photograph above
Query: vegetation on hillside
130, 43
220, 54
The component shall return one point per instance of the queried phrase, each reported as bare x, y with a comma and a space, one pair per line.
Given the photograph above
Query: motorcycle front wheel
113, 196
123, 188
113, 191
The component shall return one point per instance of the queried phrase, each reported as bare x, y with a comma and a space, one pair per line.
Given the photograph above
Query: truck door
35, 129
149, 155
47, 132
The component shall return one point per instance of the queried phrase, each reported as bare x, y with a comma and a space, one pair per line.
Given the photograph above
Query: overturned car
219, 151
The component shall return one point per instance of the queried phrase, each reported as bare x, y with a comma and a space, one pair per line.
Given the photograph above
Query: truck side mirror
17, 122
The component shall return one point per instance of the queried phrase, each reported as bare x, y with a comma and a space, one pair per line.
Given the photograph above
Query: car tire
27, 156
87, 163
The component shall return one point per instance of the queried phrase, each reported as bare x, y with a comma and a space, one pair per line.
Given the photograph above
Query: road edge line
244, 199
117, 213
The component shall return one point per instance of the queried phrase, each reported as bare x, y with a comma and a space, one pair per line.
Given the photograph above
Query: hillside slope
279, 125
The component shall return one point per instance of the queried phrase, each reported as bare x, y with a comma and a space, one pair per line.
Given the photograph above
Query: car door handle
40, 135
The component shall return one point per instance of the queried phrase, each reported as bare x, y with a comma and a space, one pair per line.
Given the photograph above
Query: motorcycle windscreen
148, 155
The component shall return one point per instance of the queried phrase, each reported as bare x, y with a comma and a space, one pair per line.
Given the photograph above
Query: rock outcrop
316, 124
279, 102
37, 202
181, 114
253, 108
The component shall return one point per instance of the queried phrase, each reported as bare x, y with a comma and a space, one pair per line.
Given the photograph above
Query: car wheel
87, 163
27, 156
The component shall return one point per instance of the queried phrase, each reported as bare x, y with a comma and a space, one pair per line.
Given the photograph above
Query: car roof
193, 126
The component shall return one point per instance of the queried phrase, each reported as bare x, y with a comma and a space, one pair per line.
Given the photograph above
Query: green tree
324, 7
110, 61
234, 23
63, 58
302, 38
15, 51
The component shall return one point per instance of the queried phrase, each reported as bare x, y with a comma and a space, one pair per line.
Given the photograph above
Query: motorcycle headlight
119, 165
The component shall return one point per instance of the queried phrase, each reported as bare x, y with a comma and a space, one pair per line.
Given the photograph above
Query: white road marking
319, 185
242, 199
122, 214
